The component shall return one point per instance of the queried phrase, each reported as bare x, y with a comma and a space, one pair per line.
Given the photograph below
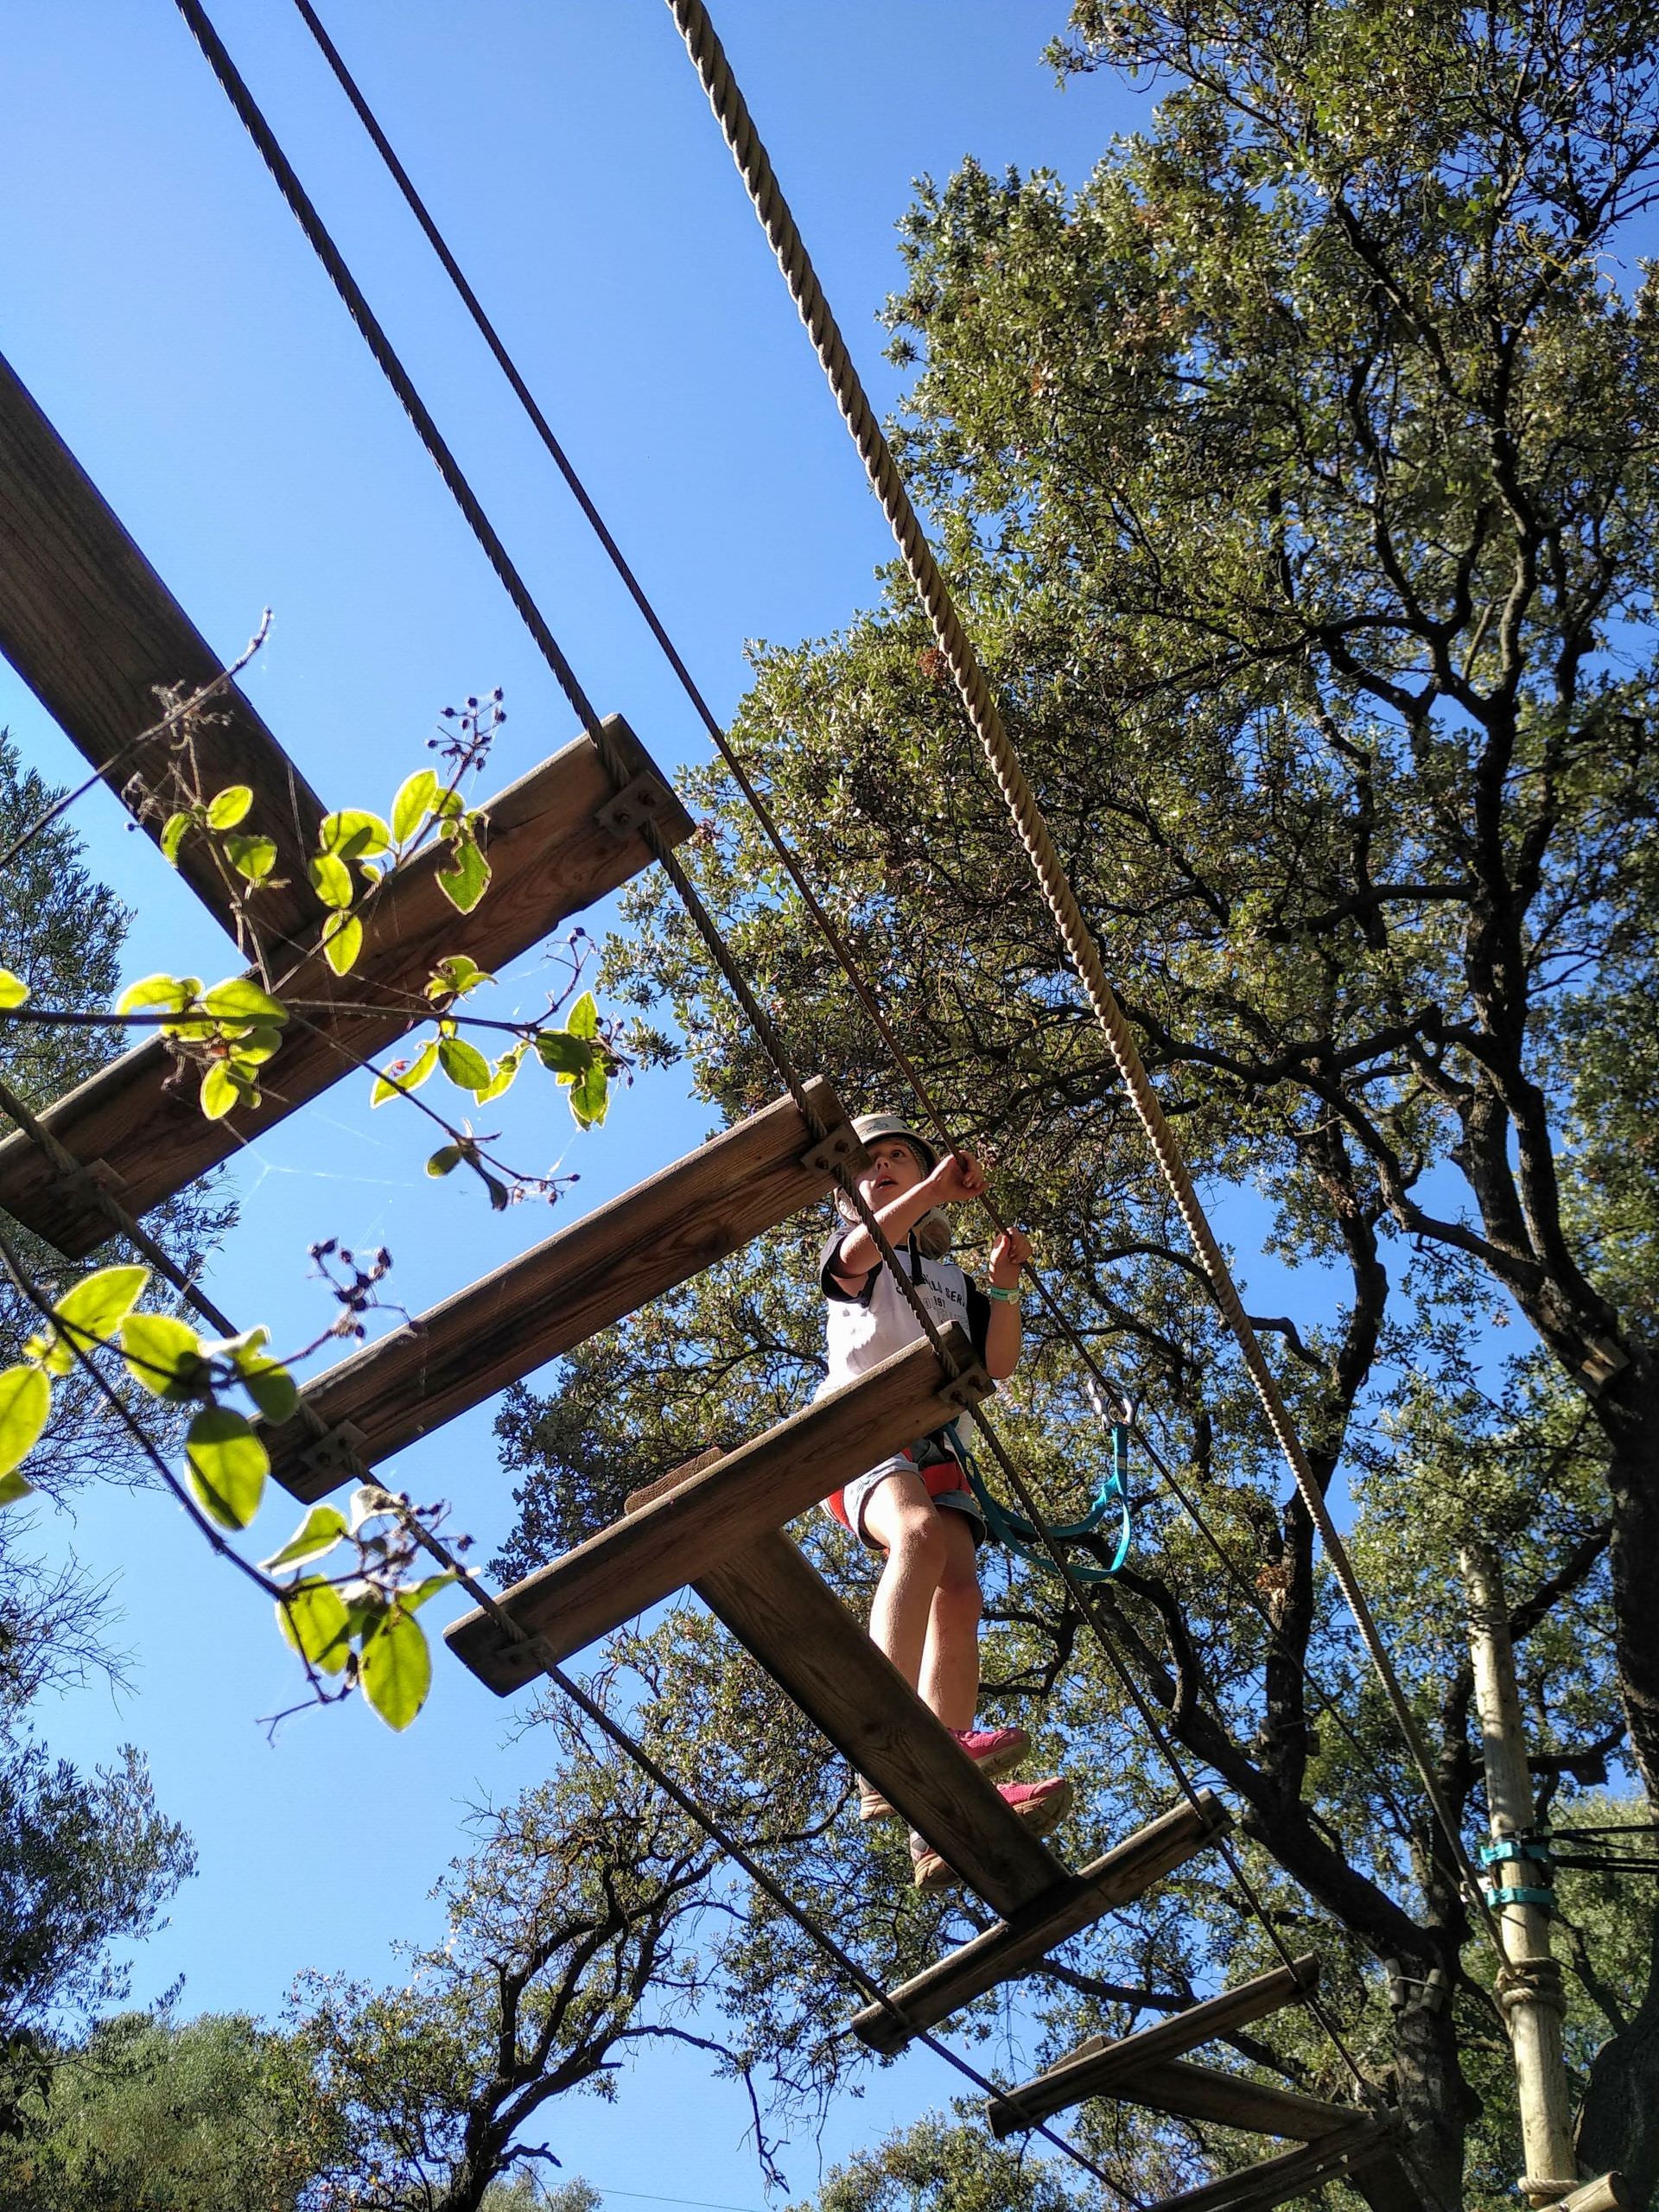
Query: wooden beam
1023, 1940
1292, 2173
1190, 2091
784, 1614
92, 631
550, 859
1097, 2068
744, 1495
560, 1293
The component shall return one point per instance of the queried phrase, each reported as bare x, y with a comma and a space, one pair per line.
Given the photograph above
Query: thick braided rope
737, 126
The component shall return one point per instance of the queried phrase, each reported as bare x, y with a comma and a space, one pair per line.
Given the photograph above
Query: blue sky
167, 315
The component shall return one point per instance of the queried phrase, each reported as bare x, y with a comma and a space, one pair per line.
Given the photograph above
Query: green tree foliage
147, 2116
940, 2165
1294, 473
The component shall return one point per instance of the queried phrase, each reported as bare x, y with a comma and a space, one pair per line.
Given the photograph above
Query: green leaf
464, 1064
408, 1599
331, 879
229, 806
313, 1617
25, 1403
227, 1465
320, 1530
395, 1668
14, 1486
410, 1078
568, 1056
445, 1159
172, 837
13, 990
464, 884
257, 1045
454, 977
590, 1095
271, 1386
342, 940
95, 1306
158, 994
165, 1355
353, 834
506, 1069
220, 1091
239, 998
254, 857
416, 797
583, 1018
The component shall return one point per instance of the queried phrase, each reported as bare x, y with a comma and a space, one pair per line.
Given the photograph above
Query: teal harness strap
1017, 1535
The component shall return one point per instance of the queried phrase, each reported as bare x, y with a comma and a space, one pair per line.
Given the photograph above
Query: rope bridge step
1363, 2144
700, 1522
551, 856
623, 1254
1099, 2067
1025, 1938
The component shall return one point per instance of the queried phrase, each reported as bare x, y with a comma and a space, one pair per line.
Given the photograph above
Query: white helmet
869, 1129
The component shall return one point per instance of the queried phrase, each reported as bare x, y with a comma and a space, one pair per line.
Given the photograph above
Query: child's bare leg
949, 1677
904, 1520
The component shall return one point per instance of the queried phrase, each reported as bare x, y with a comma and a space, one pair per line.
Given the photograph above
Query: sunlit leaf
416, 797
25, 1404
506, 1069
320, 1530
165, 1355
14, 1486
464, 884
395, 1668
454, 977
353, 834
463, 1063
254, 857
313, 1617
229, 806
95, 1306
408, 1599
410, 1078
590, 1095
158, 994
239, 998
568, 1056
227, 1465
257, 1045
331, 879
13, 990
582, 1020
342, 940
172, 837
220, 1091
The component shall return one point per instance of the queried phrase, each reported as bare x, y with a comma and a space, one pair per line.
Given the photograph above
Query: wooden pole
1530, 1984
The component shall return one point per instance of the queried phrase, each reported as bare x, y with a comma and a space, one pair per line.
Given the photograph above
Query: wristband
1007, 1297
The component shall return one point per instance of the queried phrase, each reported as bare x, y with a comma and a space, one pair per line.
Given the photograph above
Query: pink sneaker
1040, 1805
994, 1751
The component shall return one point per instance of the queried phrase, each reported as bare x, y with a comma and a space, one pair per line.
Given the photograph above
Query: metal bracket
634, 805
96, 1175
839, 1153
967, 1389
339, 1453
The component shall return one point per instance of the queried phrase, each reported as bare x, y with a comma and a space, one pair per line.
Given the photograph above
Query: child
916, 1507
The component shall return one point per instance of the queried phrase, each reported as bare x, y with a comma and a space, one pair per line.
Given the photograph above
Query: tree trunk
1436, 2103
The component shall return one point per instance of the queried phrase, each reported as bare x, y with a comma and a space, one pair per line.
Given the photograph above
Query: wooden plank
1023, 1940
1292, 2173
1096, 2068
784, 1614
1190, 2091
550, 860
740, 1497
92, 630
560, 1293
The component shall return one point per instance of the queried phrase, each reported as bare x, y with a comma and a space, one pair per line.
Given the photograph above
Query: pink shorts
946, 1485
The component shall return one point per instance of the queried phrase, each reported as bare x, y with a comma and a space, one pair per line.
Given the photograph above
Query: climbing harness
1021, 1536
